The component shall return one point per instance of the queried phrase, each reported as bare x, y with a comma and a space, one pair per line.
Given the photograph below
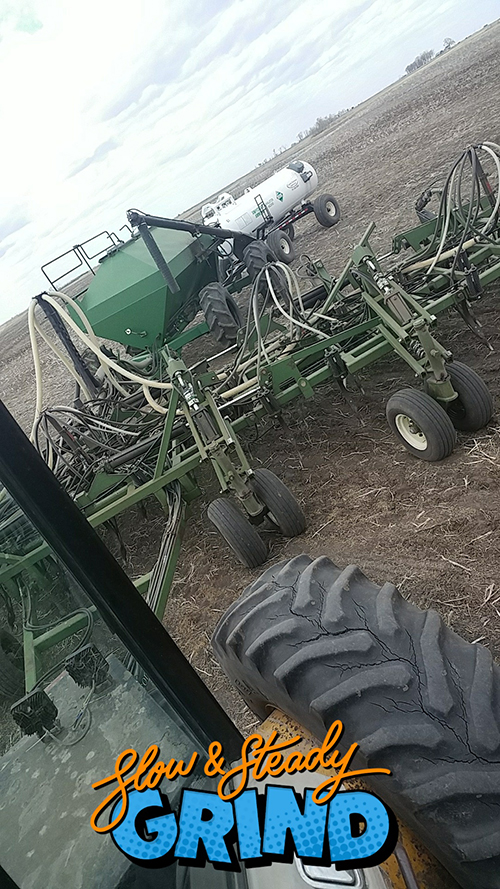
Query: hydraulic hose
135, 378
38, 369
88, 327
424, 263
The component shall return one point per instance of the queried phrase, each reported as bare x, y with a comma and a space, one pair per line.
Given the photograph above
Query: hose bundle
468, 210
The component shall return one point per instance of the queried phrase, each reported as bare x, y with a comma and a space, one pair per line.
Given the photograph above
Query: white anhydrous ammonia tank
281, 193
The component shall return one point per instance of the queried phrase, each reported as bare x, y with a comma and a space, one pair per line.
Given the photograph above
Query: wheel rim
284, 246
331, 208
410, 432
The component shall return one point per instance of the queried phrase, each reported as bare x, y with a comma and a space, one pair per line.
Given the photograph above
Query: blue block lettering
343, 845
247, 821
163, 828
282, 813
210, 830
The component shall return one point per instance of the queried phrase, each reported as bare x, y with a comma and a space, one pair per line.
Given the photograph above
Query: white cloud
156, 105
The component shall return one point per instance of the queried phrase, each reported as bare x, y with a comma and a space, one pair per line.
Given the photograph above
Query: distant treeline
427, 55
322, 123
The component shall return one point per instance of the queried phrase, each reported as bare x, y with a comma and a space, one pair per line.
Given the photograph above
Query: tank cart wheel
221, 313
283, 509
282, 246
290, 231
326, 210
238, 532
11, 666
474, 406
421, 424
322, 644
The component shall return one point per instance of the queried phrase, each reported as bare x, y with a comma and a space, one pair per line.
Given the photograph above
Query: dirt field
433, 529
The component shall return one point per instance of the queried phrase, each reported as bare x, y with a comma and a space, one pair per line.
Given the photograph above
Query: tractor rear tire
326, 210
282, 246
421, 424
238, 532
283, 508
11, 667
473, 408
221, 313
321, 644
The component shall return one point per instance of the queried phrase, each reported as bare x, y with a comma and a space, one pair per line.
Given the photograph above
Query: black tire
323, 644
290, 231
11, 667
421, 424
282, 505
221, 313
282, 246
256, 256
237, 531
473, 408
326, 210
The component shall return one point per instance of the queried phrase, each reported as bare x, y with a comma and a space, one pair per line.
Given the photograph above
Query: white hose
241, 388
295, 321
90, 333
38, 369
493, 150
135, 378
79, 311
486, 147
447, 221
151, 401
446, 255
67, 363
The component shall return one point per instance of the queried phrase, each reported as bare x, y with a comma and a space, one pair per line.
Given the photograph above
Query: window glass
71, 700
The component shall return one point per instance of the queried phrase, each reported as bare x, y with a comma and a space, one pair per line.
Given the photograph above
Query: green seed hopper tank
129, 300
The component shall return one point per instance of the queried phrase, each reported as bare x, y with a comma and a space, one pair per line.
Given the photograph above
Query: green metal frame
395, 321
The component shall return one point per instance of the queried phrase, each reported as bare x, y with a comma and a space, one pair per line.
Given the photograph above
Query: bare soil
433, 529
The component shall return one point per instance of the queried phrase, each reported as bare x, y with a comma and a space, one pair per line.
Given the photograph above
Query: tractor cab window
72, 699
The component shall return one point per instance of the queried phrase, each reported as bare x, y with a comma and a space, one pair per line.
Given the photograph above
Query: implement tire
256, 256
473, 408
243, 538
11, 667
421, 425
322, 643
221, 313
282, 506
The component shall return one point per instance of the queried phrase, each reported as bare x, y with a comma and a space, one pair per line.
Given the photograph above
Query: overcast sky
111, 104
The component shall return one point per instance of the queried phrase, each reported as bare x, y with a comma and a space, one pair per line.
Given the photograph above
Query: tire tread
324, 644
